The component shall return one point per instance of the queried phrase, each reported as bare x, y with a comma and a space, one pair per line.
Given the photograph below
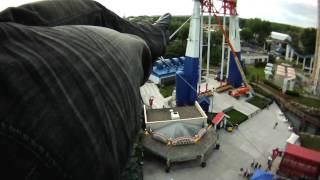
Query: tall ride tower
234, 76
235, 73
187, 80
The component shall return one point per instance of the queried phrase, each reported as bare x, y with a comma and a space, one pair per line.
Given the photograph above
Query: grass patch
307, 101
259, 102
261, 91
254, 73
312, 142
166, 91
236, 117
299, 90
272, 85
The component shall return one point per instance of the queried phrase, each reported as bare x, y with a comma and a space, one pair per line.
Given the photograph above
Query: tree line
254, 31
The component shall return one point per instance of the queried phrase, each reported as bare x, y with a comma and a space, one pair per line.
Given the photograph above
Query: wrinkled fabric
74, 90
86, 12
70, 73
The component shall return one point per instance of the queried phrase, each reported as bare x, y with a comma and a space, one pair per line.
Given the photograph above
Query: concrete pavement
254, 139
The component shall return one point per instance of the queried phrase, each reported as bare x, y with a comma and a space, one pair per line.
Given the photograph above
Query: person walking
269, 163
275, 125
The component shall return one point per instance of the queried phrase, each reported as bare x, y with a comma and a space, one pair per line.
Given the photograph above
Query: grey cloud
301, 14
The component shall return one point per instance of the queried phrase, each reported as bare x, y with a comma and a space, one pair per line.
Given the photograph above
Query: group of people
249, 171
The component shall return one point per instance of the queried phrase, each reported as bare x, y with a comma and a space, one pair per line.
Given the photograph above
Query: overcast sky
296, 12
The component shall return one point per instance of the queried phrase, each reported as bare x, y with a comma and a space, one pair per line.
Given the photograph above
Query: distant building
268, 70
253, 54
285, 77
281, 37
281, 47
279, 44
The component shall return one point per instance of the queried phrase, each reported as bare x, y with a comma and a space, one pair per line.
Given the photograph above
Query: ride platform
172, 154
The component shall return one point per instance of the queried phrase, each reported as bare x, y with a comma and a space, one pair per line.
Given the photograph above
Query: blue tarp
261, 175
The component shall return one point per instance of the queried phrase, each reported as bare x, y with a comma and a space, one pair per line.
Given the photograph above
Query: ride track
286, 104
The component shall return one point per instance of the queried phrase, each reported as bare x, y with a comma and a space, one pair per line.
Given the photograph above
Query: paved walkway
223, 101
254, 139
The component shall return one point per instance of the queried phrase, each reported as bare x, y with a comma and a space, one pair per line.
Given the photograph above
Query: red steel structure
228, 8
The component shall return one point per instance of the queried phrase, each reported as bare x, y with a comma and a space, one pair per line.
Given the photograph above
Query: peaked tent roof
178, 129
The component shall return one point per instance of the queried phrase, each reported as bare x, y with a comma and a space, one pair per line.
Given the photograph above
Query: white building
252, 55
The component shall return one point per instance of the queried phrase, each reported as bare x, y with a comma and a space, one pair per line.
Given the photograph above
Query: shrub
260, 64
293, 93
252, 78
271, 84
261, 91
259, 102
236, 117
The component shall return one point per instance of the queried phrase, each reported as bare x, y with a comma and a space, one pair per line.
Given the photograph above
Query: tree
260, 29
246, 34
308, 40
215, 48
176, 48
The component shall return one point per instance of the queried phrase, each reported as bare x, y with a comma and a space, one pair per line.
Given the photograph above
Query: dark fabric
86, 12
73, 91
69, 95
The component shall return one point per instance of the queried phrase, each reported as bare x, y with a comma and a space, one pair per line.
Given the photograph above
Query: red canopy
304, 153
218, 118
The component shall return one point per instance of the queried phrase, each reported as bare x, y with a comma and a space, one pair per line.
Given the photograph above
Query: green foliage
167, 90
292, 93
260, 64
308, 101
246, 34
176, 48
236, 117
142, 19
215, 52
308, 39
259, 102
310, 141
260, 29
261, 91
254, 73
271, 84
252, 30
252, 78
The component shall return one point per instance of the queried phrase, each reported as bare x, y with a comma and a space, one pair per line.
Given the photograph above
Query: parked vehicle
239, 92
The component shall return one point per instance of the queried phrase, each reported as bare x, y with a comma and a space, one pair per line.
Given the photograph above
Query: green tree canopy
246, 34
308, 40
260, 29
